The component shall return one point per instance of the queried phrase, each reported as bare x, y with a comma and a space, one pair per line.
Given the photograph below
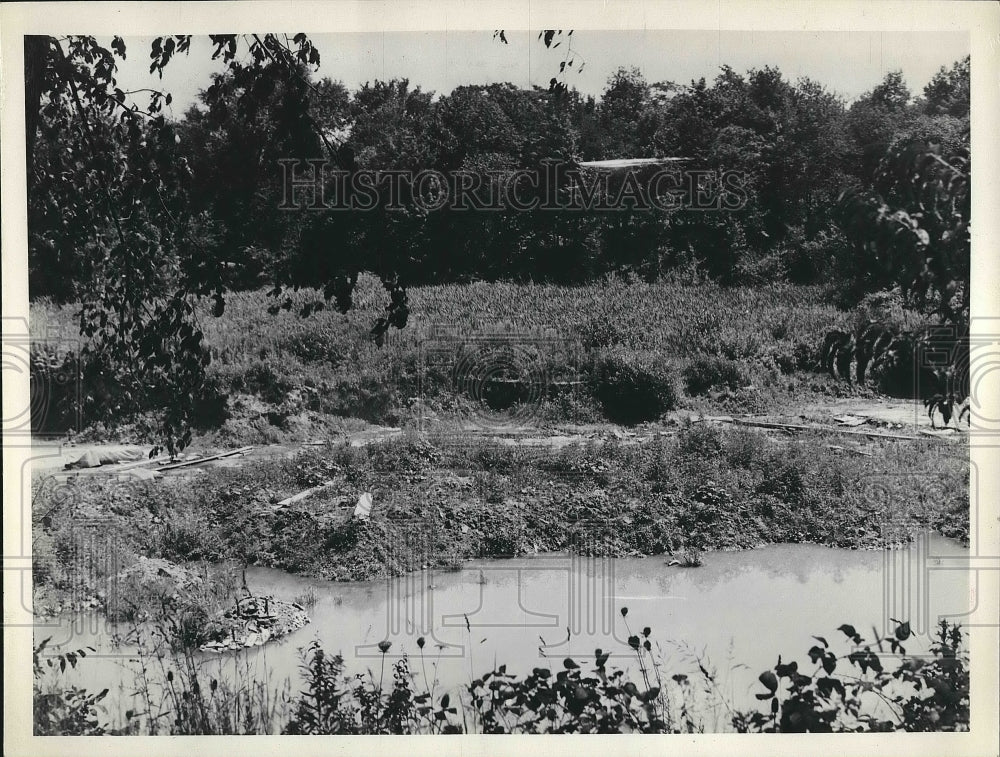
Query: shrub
634, 388
266, 379
833, 693
55, 381
705, 373
321, 709
918, 694
700, 441
61, 711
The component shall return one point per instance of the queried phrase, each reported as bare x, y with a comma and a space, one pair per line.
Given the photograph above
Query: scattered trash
363, 510
253, 622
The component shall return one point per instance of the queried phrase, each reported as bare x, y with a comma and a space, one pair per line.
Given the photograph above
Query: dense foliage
136, 216
621, 357
797, 145
910, 233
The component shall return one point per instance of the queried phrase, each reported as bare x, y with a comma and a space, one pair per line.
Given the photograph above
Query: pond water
736, 613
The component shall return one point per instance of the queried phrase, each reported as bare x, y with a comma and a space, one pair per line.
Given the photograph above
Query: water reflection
740, 609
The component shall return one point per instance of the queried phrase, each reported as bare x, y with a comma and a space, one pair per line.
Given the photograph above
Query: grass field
665, 345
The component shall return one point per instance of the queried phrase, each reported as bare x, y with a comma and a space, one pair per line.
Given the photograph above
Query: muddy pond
736, 613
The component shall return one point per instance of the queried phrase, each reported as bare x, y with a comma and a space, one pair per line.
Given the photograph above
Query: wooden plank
185, 463
302, 495
850, 449
825, 429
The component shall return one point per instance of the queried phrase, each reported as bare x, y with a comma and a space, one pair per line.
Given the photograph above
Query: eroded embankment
693, 488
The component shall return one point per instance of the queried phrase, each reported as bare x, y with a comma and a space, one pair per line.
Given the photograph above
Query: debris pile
254, 621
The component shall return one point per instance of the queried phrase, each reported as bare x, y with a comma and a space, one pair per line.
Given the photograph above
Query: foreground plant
918, 694
860, 690
64, 710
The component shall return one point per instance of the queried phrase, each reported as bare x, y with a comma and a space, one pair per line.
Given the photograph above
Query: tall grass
286, 366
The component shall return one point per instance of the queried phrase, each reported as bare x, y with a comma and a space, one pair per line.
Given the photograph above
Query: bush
705, 373
59, 710
855, 690
634, 388
55, 383
919, 694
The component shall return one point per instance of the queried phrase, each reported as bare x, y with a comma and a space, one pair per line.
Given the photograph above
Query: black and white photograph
421, 370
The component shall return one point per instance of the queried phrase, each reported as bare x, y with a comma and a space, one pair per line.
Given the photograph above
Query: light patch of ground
852, 414
908, 415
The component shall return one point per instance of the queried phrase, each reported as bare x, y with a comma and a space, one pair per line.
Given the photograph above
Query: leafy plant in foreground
65, 711
916, 695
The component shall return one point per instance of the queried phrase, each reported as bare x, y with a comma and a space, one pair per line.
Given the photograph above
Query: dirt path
899, 414
856, 416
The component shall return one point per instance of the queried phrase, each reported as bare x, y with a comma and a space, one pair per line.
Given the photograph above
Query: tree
876, 118
912, 229
912, 232
234, 143
626, 131
111, 187
948, 93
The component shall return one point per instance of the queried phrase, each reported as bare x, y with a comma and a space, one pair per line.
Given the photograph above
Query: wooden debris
197, 460
619, 163
849, 449
304, 494
939, 433
824, 429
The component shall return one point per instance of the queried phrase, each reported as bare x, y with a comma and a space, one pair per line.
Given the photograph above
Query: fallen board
825, 429
195, 461
302, 495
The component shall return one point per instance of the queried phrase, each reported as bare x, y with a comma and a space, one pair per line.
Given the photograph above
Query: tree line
218, 178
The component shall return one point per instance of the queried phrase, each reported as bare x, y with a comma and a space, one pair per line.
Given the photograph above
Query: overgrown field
619, 351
